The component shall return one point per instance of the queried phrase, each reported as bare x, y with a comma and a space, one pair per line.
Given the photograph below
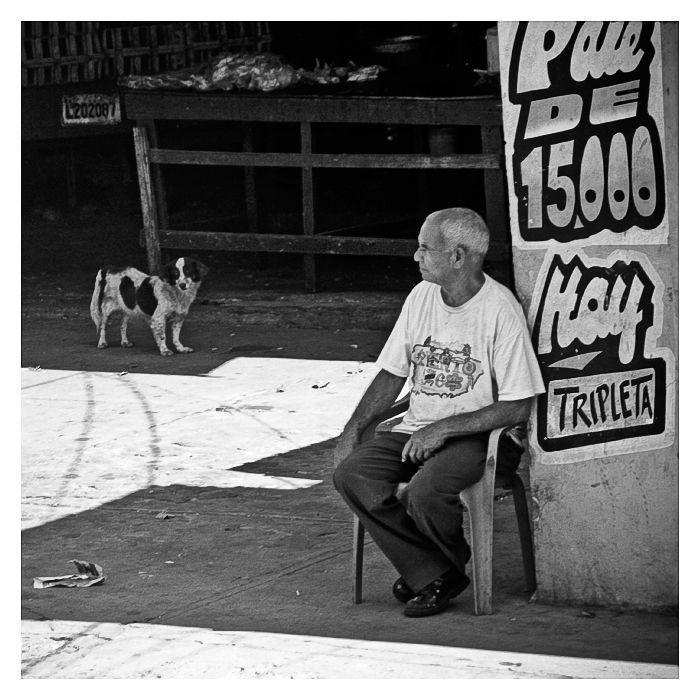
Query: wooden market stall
67, 67
152, 109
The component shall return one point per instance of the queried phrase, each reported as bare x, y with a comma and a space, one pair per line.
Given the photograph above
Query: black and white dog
156, 299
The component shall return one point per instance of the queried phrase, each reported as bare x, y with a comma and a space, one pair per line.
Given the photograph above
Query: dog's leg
158, 329
102, 340
177, 327
125, 340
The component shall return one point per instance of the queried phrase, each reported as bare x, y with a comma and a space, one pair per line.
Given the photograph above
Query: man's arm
379, 396
428, 440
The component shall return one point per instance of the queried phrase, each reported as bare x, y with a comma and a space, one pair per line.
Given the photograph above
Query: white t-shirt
461, 358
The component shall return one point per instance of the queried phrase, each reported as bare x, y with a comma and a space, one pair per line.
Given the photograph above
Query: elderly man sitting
462, 339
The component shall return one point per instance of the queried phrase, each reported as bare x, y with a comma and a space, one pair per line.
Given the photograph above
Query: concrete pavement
74, 649
92, 437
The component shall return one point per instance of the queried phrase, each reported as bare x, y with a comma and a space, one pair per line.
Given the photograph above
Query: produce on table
258, 72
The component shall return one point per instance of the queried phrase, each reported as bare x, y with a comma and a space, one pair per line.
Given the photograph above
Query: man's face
433, 256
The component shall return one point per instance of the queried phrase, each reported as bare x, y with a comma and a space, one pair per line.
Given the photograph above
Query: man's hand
423, 444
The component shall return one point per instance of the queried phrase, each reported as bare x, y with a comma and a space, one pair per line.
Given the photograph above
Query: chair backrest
510, 450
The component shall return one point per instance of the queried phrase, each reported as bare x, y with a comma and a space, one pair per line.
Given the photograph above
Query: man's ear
460, 256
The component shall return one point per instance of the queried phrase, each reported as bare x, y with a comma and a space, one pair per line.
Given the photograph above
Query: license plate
90, 109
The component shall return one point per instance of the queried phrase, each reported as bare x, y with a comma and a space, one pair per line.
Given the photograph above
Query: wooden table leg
159, 191
307, 186
251, 199
422, 180
495, 194
148, 207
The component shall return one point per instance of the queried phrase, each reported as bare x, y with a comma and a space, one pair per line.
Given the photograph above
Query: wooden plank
251, 197
249, 180
461, 161
378, 224
73, 76
495, 192
148, 208
55, 50
421, 200
283, 243
89, 48
161, 194
308, 207
222, 32
268, 107
155, 56
25, 56
118, 50
136, 65
189, 42
38, 52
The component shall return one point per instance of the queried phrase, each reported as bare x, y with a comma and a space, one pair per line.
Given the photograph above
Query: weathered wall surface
591, 124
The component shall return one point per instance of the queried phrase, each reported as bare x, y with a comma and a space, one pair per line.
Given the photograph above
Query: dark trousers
421, 534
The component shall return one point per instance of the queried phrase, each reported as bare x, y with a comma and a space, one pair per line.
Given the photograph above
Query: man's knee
423, 492
429, 490
338, 478
458, 465
344, 472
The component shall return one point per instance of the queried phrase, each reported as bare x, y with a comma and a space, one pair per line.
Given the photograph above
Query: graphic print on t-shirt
443, 370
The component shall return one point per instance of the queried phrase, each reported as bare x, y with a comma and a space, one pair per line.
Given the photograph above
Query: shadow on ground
280, 561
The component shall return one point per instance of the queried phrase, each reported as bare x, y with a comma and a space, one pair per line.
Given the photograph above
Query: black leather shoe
401, 591
436, 596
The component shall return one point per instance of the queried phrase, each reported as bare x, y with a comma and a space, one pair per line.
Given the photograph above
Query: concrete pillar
593, 189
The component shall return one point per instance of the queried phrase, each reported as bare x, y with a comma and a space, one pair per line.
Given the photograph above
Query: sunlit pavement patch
93, 437
74, 649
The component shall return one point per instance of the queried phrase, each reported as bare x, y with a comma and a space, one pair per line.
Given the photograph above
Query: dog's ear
195, 269
170, 273
200, 269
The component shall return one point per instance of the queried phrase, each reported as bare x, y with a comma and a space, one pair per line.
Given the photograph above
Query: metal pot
408, 51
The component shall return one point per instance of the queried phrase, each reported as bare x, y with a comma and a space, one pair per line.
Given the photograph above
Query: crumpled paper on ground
89, 574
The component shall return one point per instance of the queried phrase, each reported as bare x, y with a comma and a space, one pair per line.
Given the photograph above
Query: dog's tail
96, 302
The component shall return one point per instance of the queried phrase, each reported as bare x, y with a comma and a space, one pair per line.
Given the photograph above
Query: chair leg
479, 502
358, 546
523, 516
